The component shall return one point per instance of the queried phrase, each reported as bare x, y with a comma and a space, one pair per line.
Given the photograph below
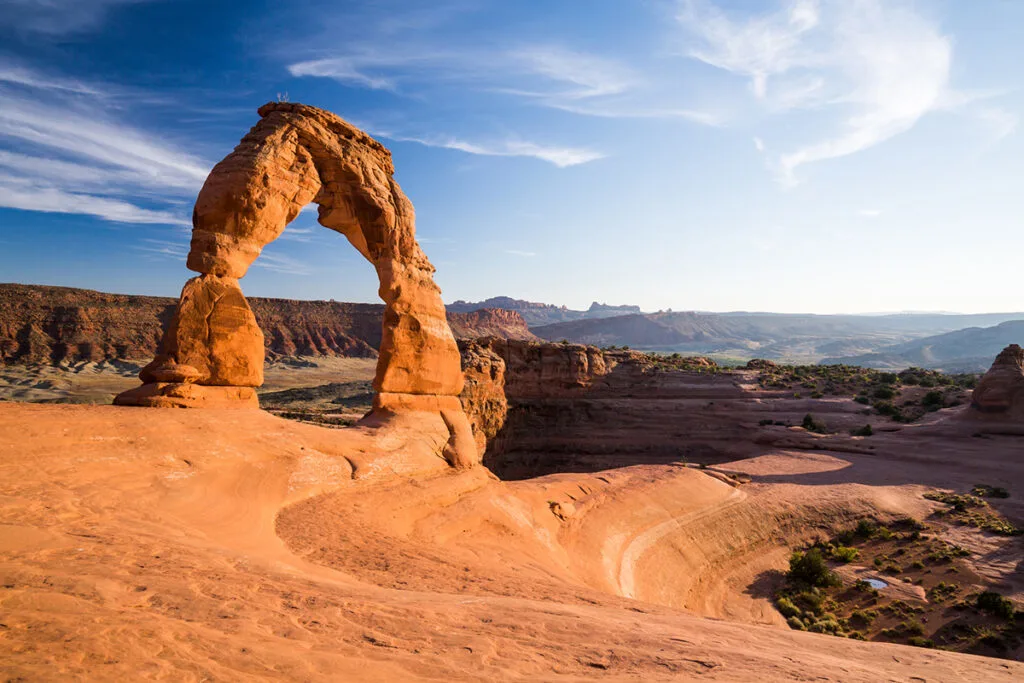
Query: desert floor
206, 545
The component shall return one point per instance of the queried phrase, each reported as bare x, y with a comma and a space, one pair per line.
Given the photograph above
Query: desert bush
986, 491
810, 568
885, 393
865, 528
918, 641
812, 425
845, 554
787, 608
861, 618
862, 431
996, 604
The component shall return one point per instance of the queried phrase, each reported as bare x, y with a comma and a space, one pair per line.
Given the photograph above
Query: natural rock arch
212, 352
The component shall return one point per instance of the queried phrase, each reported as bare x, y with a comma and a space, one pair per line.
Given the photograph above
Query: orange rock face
1001, 391
213, 338
296, 155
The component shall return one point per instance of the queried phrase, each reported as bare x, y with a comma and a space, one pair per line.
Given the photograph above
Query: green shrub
862, 431
913, 627
811, 602
863, 400
996, 604
885, 393
796, 624
810, 568
933, 399
918, 641
787, 608
987, 491
845, 554
861, 618
865, 528
812, 425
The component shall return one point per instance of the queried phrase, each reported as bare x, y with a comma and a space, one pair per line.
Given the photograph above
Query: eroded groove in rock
213, 350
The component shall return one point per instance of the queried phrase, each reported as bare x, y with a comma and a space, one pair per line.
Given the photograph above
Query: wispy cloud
559, 156
881, 66
17, 193
550, 76
57, 17
343, 69
296, 234
61, 152
520, 252
580, 75
154, 248
870, 213
279, 263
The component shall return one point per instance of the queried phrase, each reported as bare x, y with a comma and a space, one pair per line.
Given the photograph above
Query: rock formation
212, 352
49, 325
1000, 392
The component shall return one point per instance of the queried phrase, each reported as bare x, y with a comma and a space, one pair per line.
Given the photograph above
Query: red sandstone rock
1001, 391
213, 338
296, 155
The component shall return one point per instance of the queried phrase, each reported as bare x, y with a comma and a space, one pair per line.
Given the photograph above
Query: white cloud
15, 193
177, 251
18, 75
342, 69
759, 144
870, 213
880, 65
520, 252
585, 75
999, 122
559, 156
758, 48
60, 152
57, 17
279, 263
550, 76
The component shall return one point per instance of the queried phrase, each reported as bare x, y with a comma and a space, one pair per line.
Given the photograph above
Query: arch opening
211, 354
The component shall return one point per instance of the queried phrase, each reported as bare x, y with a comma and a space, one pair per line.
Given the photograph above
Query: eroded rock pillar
211, 354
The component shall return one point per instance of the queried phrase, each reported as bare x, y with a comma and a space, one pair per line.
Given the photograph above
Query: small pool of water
877, 584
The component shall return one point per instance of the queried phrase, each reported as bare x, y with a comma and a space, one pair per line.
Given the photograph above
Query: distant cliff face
490, 322
40, 324
542, 314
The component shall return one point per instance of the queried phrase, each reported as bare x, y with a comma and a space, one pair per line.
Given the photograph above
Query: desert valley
330, 491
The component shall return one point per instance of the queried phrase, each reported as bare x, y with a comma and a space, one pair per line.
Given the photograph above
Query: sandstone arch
212, 352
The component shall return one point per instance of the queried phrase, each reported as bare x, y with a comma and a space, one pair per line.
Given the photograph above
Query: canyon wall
41, 325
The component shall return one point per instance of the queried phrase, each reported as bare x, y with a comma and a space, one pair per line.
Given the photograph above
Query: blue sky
794, 155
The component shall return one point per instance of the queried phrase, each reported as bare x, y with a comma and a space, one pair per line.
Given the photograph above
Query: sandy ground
234, 545
98, 383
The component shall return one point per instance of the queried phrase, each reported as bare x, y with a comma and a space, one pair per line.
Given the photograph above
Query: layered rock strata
212, 352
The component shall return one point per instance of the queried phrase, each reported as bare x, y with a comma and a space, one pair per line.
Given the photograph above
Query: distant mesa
536, 314
211, 354
1000, 393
